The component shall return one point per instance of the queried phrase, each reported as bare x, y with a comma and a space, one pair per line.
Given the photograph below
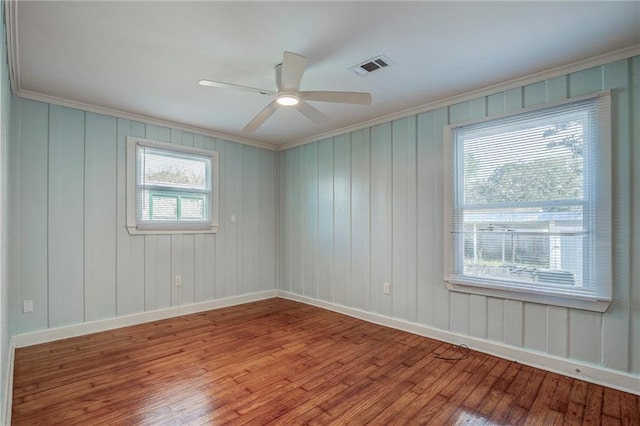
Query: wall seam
417, 218
47, 208
370, 277
84, 217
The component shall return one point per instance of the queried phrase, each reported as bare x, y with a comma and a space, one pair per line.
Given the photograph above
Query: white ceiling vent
372, 65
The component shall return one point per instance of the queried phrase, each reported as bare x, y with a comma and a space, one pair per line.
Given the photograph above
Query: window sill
568, 301
136, 231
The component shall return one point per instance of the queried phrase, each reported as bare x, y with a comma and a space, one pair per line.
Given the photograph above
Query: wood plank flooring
282, 362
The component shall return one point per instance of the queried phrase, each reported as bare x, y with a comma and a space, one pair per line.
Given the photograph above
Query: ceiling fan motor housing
288, 75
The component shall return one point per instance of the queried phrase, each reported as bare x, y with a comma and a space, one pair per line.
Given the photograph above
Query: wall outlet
177, 280
233, 218
27, 306
386, 288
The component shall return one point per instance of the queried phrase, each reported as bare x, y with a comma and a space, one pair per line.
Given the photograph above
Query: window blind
531, 200
173, 188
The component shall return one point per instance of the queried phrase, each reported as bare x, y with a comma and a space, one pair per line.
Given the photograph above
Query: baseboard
567, 367
594, 374
49, 335
8, 385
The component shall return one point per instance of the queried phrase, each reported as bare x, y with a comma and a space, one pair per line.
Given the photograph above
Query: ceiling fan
288, 76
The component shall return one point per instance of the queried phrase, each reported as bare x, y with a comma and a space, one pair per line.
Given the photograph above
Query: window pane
537, 164
529, 204
532, 171
192, 208
538, 160
174, 170
525, 244
163, 207
174, 186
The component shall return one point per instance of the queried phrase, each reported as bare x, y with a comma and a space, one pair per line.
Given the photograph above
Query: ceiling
146, 58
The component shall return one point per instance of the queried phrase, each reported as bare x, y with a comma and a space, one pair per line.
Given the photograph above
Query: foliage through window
530, 203
173, 187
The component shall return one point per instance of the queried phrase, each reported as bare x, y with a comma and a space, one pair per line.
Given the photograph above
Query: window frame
601, 241
136, 228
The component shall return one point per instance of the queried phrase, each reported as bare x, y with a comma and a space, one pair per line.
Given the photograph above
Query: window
529, 205
171, 188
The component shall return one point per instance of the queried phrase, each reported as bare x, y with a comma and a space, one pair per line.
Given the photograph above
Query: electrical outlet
387, 288
177, 280
27, 306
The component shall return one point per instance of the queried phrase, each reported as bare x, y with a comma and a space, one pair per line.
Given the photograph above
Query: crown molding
11, 24
25, 94
595, 61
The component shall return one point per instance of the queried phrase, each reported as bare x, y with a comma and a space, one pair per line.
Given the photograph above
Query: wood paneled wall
366, 208
71, 253
355, 211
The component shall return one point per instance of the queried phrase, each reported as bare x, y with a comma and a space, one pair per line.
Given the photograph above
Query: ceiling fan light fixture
288, 75
287, 100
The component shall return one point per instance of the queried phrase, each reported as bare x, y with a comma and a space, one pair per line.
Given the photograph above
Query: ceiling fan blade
358, 98
311, 113
293, 66
220, 85
261, 117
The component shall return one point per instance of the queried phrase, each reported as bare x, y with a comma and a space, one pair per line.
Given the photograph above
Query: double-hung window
529, 205
171, 188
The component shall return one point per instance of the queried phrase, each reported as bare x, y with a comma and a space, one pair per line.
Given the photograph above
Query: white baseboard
8, 385
49, 335
567, 367
603, 376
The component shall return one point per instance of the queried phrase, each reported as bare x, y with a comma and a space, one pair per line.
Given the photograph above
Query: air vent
372, 65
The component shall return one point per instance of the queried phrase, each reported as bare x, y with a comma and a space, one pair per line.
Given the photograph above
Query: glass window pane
174, 170
522, 198
529, 212
163, 207
530, 162
173, 185
192, 208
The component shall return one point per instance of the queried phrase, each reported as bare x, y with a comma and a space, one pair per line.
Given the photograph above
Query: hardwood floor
282, 362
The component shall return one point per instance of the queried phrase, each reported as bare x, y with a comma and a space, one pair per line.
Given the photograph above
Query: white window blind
173, 187
530, 201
